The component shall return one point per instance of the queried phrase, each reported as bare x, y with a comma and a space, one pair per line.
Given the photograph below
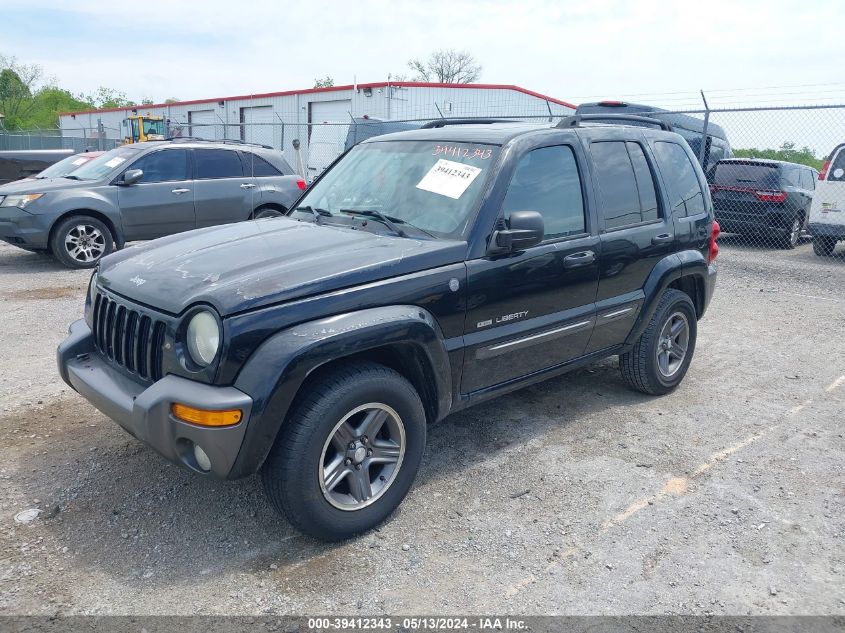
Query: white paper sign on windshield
449, 178
114, 162
79, 161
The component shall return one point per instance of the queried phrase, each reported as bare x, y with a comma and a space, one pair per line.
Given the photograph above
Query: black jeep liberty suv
424, 272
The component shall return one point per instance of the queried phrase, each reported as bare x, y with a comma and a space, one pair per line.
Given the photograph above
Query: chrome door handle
179, 192
247, 185
579, 259
662, 238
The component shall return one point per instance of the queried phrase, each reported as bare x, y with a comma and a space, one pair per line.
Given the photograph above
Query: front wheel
660, 358
81, 241
348, 452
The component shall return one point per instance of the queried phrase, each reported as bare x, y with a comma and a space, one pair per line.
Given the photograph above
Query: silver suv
145, 191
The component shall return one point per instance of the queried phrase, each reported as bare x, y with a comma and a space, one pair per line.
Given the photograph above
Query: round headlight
203, 338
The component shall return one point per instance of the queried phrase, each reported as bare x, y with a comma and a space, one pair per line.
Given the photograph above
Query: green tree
49, 102
787, 151
326, 82
18, 82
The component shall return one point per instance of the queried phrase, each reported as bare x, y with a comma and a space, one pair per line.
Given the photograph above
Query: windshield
153, 127
433, 185
64, 167
104, 165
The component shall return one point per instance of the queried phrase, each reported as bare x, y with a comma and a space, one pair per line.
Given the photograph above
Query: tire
640, 366
266, 212
791, 237
80, 230
330, 411
823, 246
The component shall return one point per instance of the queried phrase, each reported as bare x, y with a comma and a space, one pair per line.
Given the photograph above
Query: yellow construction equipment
140, 128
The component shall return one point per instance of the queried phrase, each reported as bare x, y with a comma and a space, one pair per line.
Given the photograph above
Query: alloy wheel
85, 243
672, 344
362, 456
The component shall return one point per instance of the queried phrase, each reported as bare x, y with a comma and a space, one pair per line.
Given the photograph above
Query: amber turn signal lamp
203, 417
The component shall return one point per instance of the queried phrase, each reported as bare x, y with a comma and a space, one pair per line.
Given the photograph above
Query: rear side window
626, 183
258, 166
546, 180
792, 176
685, 194
808, 179
164, 166
836, 172
217, 163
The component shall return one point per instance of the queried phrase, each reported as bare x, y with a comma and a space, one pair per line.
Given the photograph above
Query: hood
32, 185
247, 265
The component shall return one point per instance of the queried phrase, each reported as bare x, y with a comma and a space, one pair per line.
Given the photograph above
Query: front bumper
24, 229
836, 231
144, 409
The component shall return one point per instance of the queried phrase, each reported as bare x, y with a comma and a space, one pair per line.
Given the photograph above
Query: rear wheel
660, 358
793, 233
823, 246
348, 452
80, 241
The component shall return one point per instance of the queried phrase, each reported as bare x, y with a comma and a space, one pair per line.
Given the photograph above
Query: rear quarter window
684, 188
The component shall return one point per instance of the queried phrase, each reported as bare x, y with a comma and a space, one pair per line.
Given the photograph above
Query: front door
223, 193
162, 202
534, 309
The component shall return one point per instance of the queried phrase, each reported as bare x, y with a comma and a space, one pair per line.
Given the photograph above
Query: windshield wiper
388, 220
378, 215
317, 213
72, 177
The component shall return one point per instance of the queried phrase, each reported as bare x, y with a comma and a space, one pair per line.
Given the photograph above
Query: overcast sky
663, 51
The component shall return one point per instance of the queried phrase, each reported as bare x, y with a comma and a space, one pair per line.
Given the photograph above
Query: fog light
203, 461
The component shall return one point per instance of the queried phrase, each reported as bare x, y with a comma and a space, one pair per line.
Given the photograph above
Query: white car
827, 214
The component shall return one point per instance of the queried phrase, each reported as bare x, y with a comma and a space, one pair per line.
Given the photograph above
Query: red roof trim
286, 93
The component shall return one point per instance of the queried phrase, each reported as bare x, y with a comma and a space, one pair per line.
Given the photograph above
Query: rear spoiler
576, 119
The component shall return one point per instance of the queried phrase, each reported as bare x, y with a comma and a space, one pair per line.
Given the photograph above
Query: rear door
636, 233
222, 193
829, 197
162, 202
327, 134
739, 193
534, 309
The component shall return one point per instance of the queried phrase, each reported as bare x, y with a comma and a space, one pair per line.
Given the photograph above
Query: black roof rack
444, 122
576, 119
223, 141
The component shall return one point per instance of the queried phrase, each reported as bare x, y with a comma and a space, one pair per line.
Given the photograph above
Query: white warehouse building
319, 118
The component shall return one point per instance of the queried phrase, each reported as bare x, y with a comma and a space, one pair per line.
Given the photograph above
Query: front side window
217, 163
685, 192
627, 198
546, 180
434, 185
163, 166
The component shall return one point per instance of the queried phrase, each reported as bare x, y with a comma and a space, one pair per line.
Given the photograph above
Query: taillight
823, 172
301, 184
714, 247
770, 196
613, 104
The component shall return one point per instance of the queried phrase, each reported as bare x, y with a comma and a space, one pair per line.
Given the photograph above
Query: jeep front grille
128, 337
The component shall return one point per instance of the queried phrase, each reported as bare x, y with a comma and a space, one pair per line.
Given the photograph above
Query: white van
827, 214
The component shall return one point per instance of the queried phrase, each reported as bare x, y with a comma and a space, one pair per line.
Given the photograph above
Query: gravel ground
575, 496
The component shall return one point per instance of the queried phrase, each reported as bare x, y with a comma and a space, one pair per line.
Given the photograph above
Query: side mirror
525, 229
131, 176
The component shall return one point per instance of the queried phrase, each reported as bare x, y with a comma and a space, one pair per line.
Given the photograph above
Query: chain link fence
764, 166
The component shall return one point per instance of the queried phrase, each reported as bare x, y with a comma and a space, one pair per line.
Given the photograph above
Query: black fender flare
669, 269
276, 370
